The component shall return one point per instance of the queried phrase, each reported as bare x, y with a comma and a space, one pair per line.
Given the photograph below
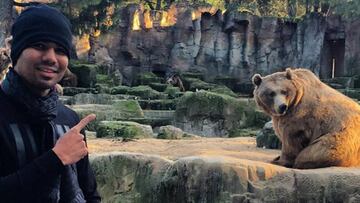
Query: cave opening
332, 58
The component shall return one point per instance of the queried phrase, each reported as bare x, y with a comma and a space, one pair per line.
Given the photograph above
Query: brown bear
317, 125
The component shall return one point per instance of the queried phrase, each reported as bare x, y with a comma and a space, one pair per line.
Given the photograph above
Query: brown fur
176, 81
320, 126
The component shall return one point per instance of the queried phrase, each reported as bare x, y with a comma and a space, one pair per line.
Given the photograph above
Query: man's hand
71, 147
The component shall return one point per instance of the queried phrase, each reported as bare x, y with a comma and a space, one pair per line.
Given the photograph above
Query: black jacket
27, 167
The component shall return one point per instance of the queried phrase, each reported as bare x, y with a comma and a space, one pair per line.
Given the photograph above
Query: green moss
123, 129
145, 92
246, 132
153, 122
103, 88
147, 78
158, 86
221, 89
236, 113
172, 92
159, 104
104, 79
197, 84
128, 108
119, 90
196, 75
71, 91
86, 74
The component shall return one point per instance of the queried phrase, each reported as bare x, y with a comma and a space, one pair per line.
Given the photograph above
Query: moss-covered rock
194, 84
128, 108
145, 92
170, 132
352, 93
120, 90
104, 79
153, 122
158, 104
196, 75
173, 92
119, 110
86, 74
266, 137
160, 87
86, 98
246, 132
226, 80
71, 91
146, 78
124, 129
211, 114
221, 89
103, 88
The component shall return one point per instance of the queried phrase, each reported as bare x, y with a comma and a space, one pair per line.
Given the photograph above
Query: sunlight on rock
136, 21
147, 20
169, 17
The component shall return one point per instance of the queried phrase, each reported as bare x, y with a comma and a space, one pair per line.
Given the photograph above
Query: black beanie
40, 23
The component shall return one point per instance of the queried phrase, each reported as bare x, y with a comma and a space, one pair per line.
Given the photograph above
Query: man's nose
49, 56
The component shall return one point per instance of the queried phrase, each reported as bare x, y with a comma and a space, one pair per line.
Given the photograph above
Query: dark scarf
39, 108
42, 111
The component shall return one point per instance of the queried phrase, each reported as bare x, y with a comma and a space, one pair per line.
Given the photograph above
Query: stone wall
232, 44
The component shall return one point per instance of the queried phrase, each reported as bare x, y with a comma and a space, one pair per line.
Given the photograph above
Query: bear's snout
283, 108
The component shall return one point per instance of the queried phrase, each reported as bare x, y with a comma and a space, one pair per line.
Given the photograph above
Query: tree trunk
158, 4
307, 6
6, 7
292, 8
316, 5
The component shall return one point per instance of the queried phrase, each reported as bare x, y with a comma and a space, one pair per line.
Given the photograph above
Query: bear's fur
317, 125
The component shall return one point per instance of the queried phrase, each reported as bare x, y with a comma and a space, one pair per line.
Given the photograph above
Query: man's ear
256, 79
8, 42
289, 74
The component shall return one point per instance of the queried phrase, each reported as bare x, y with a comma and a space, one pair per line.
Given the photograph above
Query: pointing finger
84, 122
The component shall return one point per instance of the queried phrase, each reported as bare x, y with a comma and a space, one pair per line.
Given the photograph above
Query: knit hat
40, 23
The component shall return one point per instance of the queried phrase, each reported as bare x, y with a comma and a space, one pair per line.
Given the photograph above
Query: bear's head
276, 93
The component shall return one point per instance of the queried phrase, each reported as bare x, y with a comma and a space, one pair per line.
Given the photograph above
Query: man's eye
60, 51
38, 46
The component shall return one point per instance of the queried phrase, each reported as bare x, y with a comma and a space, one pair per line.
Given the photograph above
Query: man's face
42, 65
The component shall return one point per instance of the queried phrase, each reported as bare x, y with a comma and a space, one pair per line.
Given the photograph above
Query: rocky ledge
216, 177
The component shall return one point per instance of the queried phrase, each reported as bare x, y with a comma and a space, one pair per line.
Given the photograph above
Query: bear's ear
256, 79
289, 74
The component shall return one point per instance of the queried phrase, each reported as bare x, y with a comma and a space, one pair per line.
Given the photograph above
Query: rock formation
230, 44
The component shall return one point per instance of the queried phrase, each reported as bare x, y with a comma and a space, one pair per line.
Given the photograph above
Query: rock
352, 93
134, 177
124, 129
266, 138
86, 98
145, 92
161, 104
170, 132
146, 78
71, 91
86, 74
173, 92
210, 114
160, 87
119, 110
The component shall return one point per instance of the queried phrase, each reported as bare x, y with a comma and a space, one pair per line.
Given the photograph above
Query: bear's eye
284, 92
272, 94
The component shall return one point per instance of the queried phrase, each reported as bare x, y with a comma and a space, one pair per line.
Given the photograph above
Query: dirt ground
239, 148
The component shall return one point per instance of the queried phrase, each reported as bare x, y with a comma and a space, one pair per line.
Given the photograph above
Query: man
43, 154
